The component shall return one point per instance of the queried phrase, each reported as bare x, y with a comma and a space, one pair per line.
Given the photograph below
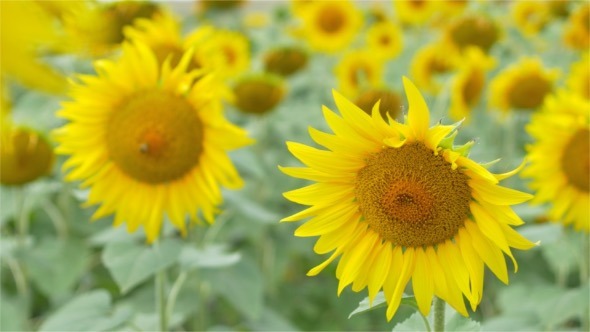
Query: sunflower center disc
331, 19
529, 92
412, 197
473, 87
575, 160
155, 137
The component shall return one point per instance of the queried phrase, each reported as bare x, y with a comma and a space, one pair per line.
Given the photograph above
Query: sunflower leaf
87, 312
213, 256
380, 302
416, 322
132, 263
460, 323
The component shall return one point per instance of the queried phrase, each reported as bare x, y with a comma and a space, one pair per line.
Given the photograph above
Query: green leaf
572, 303
546, 233
271, 321
214, 256
413, 323
520, 322
55, 266
12, 315
241, 285
131, 263
380, 302
459, 323
87, 312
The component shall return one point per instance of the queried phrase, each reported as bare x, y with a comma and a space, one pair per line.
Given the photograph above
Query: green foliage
131, 263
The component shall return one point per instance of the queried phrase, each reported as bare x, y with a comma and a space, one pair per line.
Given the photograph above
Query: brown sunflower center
384, 40
412, 197
528, 92
575, 160
331, 19
359, 74
476, 31
473, 87
155, 137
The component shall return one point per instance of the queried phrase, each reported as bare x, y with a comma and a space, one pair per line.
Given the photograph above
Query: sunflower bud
24, 156
285, 61
259, 94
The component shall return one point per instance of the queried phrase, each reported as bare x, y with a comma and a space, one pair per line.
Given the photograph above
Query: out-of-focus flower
467, 85
330, 26
25, 155
559, 158
385, 38
431, 61
398, 201
558, 8
225, 52
578, 80
577, 30
149, 139
26, 32
259, 93
390, 102
524, 85
219, 5
285, 61
359, 70
530, 16
414, 12
98, 28
472, 30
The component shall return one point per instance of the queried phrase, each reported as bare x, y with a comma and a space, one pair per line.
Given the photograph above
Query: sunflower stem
22, 216
174, 291
160, 294
439, 315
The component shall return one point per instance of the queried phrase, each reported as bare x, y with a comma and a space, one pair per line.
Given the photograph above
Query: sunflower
25, 154
431, 61
390, 221
468, 83
524, 85
231, 49
530, 17
577, 30
385, 38
285, 61
162, 35
97, 29
579, 77
358, 70
390, 102
148, 140
330, 26
26, 31
259, 93
471, 30
414, 12
559, 158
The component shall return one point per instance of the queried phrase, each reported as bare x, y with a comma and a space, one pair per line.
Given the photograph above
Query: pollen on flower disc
575, 160
412, 197
155, 137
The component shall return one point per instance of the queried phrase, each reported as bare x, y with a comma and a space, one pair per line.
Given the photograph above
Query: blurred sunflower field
295, 165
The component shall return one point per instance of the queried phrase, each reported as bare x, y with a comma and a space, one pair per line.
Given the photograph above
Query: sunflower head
330, 26
414, 12
25, 155
96, 29
285, 61
399, 202
561, 133
149, 142
579, 77
522, 86
530, 16
162, 34
259, 94
430, 62
577, 30
359, 70
385, 38
471, 30
220, 5
390, 102
224, 51
467, 85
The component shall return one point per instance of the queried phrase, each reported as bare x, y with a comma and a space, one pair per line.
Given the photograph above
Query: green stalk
161, 299
439, 315
174, 291
22, 221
